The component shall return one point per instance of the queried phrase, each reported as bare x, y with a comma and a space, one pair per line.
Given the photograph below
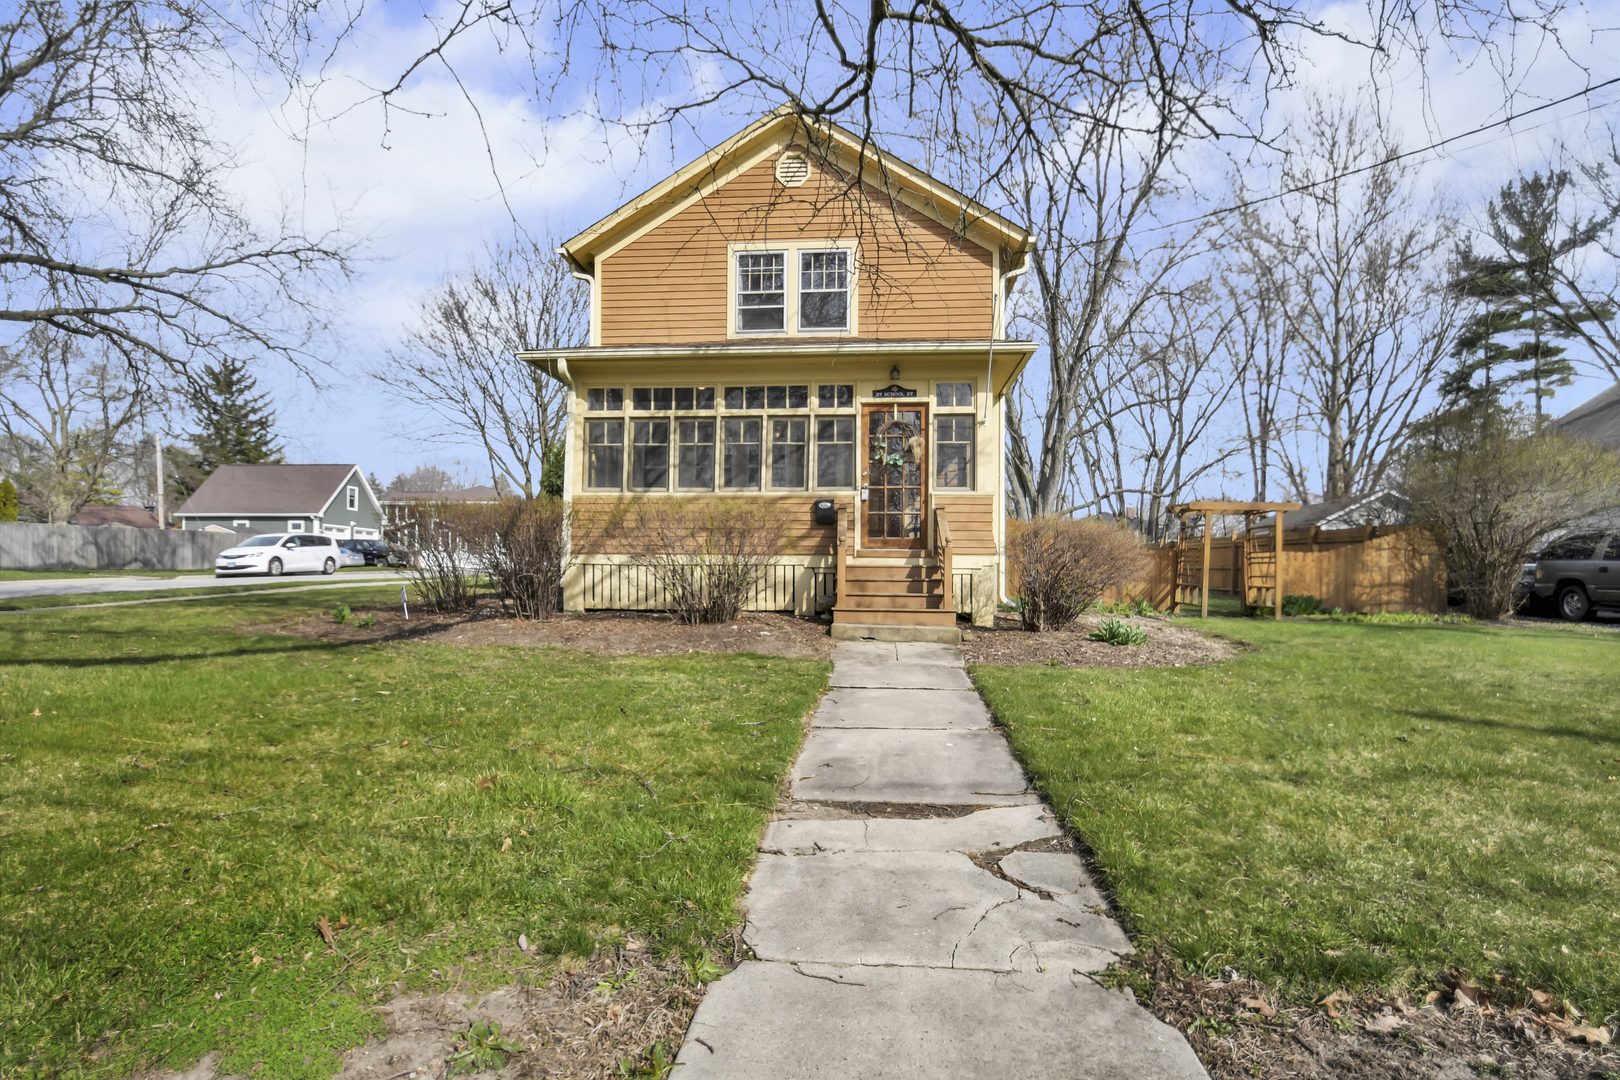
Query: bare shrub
708, 556
1493, 487
524, 554
442, 544
1063, 566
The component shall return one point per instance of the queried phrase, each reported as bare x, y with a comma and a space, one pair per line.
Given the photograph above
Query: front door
896, 477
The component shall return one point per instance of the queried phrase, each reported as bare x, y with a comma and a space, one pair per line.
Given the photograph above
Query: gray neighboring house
1596, 418
247, 499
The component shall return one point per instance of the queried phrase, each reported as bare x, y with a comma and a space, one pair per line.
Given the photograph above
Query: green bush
1119, 632
341, 613
1302, 604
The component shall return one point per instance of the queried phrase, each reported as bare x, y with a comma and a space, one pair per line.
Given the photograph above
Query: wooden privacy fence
26, 546
1369, 570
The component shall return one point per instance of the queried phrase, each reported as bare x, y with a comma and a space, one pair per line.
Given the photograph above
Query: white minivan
279, 553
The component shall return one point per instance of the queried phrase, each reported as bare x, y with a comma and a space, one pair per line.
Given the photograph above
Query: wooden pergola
1249, 510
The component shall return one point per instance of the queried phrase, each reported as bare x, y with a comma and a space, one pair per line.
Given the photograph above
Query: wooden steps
886, 592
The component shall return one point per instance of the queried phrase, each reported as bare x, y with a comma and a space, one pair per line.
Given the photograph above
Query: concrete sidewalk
88, 586
917, 912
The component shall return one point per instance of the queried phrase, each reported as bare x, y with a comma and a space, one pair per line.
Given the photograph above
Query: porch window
604, 399
694, 398
835, 453
953, 452
604, 454
760, 291
742, 455
696, 448
957, 395
823, 290
788, 453
660, 398
649, 454
835, 396
749, 398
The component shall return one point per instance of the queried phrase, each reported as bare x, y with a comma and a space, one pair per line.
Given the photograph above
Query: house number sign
894, 390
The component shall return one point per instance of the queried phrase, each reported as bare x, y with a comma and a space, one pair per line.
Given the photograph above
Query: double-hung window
695, 471
835, 452
953, 451
354, 498
788, 452
649, 455
761, 292
741, 465
604, 454
823, 290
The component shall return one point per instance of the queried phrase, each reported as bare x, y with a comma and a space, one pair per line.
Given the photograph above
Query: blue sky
428, 184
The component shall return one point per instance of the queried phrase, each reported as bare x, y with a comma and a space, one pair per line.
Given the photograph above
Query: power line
1385, 161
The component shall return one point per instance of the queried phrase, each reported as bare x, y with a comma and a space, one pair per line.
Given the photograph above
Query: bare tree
116, 223
64, 416
1355, 249
459, 368
1260, 351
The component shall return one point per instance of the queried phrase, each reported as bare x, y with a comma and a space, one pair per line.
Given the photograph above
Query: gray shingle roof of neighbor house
136, 517
1596, 418
267, 489
1379, 507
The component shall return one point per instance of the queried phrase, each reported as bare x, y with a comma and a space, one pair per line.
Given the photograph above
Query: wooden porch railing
841, 553
942, 553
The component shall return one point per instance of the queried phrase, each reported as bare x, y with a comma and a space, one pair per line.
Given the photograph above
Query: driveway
16, 590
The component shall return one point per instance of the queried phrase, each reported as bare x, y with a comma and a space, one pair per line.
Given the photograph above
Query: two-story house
799, 317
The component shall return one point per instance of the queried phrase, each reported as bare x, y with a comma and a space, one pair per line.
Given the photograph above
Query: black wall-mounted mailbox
826, 512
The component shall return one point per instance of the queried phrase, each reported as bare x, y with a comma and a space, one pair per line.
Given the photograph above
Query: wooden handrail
942, 554
841, 553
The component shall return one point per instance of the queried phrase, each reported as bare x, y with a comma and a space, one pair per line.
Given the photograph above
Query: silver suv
1580, 572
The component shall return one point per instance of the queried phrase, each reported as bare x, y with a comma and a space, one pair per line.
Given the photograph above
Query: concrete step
852, 631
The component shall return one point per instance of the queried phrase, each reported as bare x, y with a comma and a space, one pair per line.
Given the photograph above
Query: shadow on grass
1504, 725
164, 658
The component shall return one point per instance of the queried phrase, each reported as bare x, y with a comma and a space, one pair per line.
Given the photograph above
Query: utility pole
157, 448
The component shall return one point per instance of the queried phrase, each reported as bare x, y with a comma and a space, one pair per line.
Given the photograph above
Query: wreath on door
897, 429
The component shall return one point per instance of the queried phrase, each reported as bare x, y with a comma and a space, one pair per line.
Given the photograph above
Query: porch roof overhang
1006, 358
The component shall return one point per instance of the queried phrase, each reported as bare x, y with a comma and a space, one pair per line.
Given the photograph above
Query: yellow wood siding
917, 279
973, 522
606, 525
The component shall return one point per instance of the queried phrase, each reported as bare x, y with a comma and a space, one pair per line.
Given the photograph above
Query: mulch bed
609, 633
1170, 643
1453, 1033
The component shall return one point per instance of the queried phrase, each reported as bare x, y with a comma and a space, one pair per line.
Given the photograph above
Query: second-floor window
761, 295
823, 290
354, 498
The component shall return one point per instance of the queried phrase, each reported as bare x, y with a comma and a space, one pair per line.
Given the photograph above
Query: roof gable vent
792, 169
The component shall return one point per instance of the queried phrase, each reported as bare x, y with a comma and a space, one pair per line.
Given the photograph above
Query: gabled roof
135, 517
268, 489
842, 147
1378, 507
1597, 418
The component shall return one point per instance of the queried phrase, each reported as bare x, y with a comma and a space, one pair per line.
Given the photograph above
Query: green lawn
181, 800
254, 584
1351, 805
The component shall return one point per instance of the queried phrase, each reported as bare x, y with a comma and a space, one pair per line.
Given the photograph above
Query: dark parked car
1578, 573
375, 552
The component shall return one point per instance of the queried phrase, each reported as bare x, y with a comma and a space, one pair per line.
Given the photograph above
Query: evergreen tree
551, 472
8, 500
237, 425
1521, 315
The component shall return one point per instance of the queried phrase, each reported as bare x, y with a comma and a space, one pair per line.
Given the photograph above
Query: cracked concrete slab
1056, 872
983, 830
895, 907
807, 1022
871, 707
848, 652
916, 909
927, 652
895, 675
909, 766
